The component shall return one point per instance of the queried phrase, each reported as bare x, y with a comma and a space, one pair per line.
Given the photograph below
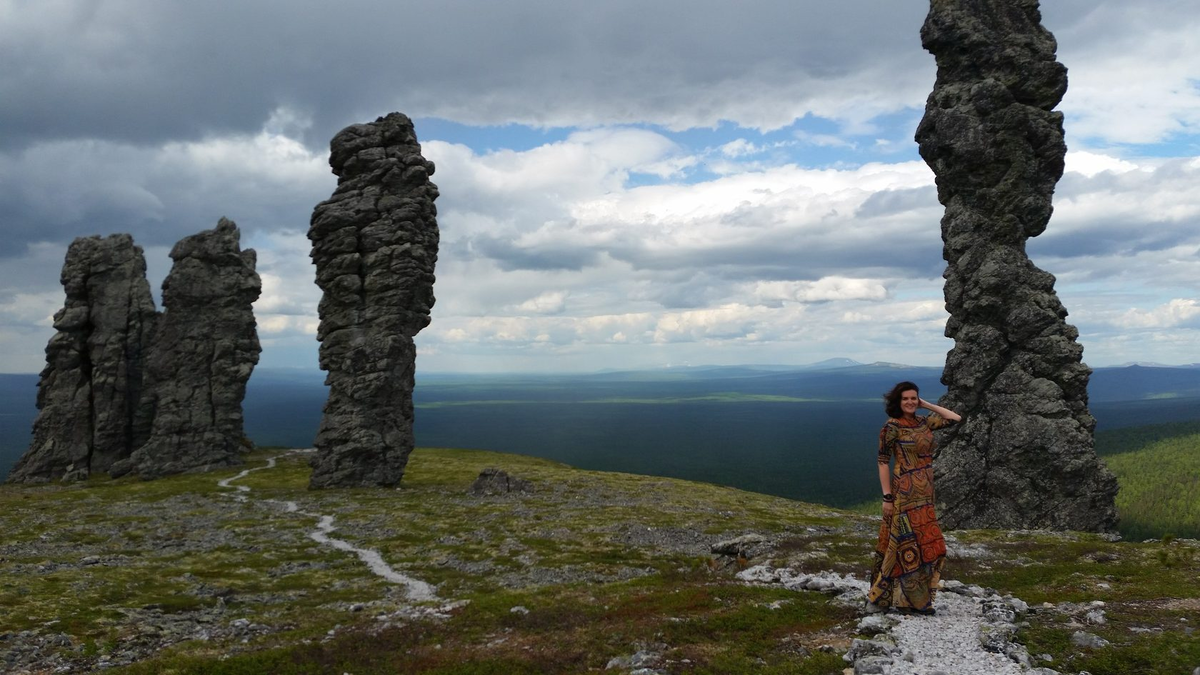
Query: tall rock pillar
374, 245
90, 388
1024, 456
205, 347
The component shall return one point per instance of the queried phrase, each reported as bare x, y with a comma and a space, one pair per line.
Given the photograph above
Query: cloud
1179, 312
144, 72
823, 290
55, 190
739, 148
655, 215
1129, 207
550, 302
824, 140
30, 309
1133, 69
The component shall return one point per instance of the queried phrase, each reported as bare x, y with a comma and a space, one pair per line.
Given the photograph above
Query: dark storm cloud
146, 72
53, 192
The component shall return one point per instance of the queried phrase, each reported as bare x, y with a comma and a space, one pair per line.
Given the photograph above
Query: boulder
493, 481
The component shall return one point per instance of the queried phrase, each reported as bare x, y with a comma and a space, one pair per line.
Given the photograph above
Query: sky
624, 185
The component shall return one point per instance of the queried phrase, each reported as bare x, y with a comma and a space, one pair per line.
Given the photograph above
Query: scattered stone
1018, 605
204, 349
1082, 639
1024, 455
959, 588
493, 481
735, 554
519, 609
872, 665
645, 659
845, 587
375, 242
862, 648
996, 637
745, 546
90, 390
875, 624
1095, 617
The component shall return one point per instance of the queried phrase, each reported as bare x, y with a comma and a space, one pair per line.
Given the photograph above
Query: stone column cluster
126, 388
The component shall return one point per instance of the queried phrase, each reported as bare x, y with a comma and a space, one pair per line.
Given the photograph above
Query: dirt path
417, 590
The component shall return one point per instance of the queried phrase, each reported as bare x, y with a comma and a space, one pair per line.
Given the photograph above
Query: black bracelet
889, 497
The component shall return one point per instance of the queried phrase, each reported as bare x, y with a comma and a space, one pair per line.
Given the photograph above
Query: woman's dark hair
891, 400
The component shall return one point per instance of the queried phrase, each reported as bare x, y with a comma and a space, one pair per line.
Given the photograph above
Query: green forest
1158, 468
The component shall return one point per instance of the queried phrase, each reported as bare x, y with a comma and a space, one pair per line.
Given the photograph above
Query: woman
908, 558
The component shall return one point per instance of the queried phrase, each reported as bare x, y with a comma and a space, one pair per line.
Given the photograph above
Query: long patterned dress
910, 552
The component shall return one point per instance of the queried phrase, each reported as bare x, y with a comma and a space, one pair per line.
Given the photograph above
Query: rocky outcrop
204, 349
89, 390
1024, 455
374, 245
493, 481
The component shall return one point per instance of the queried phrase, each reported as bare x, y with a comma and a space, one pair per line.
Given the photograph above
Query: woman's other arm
945, 413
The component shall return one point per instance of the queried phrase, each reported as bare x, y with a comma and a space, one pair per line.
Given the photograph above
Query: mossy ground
603, 562
580, 552
1150, 593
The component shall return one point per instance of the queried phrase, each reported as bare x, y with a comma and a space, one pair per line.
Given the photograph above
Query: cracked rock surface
374, 244
205, 347
89, 391
1024, 455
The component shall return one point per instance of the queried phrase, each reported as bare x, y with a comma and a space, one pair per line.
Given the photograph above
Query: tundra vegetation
175, 576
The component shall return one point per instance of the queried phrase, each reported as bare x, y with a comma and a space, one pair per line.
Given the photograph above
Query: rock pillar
204, 349
1024, 456
374, 245
90, 389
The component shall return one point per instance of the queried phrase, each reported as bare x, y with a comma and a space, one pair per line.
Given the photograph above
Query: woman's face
908, 401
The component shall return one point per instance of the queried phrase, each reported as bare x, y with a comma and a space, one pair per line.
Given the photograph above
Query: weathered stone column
204, 349
89, 390
374, 245
1024, 456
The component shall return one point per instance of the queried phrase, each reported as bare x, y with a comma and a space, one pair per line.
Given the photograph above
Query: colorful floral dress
910, 552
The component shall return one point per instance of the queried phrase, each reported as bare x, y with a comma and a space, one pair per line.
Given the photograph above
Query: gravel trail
970, 633
417, 590
948, 642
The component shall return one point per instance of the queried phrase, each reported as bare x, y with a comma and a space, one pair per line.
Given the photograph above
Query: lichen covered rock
204, 349
89, 390
1024, 456
374, 246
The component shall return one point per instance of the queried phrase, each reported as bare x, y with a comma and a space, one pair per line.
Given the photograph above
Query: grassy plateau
175, 576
